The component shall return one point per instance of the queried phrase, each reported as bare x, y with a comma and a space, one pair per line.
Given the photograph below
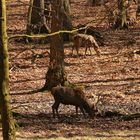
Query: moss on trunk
8, 126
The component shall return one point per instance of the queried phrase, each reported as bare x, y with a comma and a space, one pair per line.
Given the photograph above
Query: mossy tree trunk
56, 73
36, 23
8, 126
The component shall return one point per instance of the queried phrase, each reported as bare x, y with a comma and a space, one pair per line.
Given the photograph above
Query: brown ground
115, 75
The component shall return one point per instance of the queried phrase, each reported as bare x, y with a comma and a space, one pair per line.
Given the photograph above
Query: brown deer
69, 96
88, 41
77, 44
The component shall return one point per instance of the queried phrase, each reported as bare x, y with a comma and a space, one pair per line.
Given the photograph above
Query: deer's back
67, 96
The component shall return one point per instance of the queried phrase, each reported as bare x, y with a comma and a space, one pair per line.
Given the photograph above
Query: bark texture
127, 11
8, 127
36, 18
56, 74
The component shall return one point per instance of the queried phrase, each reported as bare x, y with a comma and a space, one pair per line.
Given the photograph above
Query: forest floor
115, 75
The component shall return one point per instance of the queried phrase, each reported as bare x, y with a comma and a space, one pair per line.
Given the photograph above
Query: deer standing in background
88, 41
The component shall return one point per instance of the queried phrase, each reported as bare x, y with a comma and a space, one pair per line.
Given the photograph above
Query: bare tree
8, 126
121, 21
40, 16
67, 23
126, 13
56, 73
36, 17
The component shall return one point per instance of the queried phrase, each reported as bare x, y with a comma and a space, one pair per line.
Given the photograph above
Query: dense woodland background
115, 76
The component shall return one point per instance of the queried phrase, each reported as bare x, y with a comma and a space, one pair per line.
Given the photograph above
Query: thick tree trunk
56, 74
8, 126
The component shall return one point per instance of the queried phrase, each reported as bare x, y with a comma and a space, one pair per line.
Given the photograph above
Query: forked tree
8, 127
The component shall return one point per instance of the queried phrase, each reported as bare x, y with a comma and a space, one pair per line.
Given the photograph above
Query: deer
90, 30
72, 96
87, 41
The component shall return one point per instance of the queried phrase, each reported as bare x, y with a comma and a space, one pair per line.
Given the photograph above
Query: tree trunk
36, 18
56, 74
138, 10
121, 21
47, 12
127, 13
67, 23
8, 126
29, 31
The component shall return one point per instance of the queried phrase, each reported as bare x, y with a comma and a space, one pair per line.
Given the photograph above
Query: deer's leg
96, 48
86, 47
82, 110
90, 49
76, 107
77, 46
72, 49
77, 50
55, 108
